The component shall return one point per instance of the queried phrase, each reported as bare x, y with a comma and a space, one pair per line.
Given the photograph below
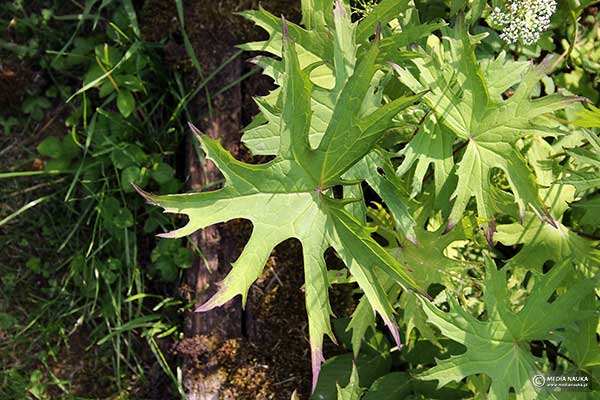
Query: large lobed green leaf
468, 110
543, 242
499, 345
289, 196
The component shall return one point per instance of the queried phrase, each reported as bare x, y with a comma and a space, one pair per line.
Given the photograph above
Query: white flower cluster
524, 19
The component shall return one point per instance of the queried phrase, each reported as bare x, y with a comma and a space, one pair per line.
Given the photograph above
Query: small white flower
524, 20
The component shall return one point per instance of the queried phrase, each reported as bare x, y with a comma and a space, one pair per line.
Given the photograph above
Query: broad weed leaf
469, 111
352, 391
499, 345
543, 242
289, 197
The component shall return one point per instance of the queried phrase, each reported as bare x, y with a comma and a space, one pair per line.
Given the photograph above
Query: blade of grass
76, 226
128, 54
19, 174
88, 141
237, 81
82, 18
128, 5
142, 296
165, 365
190, 95
26, 207
141, 322
191, 53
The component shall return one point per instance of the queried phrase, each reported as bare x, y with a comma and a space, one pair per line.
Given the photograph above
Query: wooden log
221, 360
204, 378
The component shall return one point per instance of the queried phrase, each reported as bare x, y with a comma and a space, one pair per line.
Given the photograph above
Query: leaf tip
316, 360
256, 60
521, 215
378, 33
583, 99
207, 306
547, 65
334, 340
394, 331
147, 196
449, 227
394, 66
339, 10
284, 29
167, 235
413, 239
423, 294
545, 216
195, 130
548, 218
489, 232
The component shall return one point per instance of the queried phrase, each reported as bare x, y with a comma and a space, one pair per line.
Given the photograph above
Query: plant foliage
506, 169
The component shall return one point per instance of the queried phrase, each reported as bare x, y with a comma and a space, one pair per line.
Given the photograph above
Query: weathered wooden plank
203, 378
